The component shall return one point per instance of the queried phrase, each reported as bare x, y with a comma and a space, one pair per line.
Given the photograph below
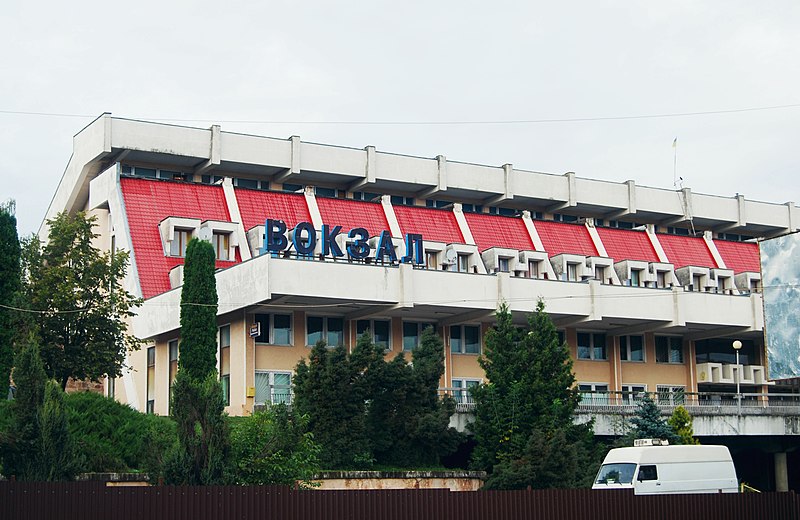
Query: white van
652, 470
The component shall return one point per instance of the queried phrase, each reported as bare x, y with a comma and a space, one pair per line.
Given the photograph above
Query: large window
379, 330
672, 395
178, 245
591, 346
465, 339
273, 387
633, 394
669, 349
225, 362
325, 328
461, 390
276, 329
593, 393
412, 331
631, 348
151, 380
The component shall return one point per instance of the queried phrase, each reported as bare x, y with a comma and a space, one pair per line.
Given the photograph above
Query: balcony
697, 404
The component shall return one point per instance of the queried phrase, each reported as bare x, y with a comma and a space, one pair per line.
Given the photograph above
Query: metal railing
697, 403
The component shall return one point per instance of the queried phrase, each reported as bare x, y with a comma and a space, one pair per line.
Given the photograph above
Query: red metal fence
92, 500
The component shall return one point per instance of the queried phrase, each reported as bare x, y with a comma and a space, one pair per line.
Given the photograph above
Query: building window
221, 243
276, 329
632, 394
463, 263
631, 348
225, 362
636, 277
273, 387
379, 330
672, 395
465, 339
661, 279
431, 260
177, 247
172, 347
591, 346
151, 380
669, 349
325, 328
412, 331
697, 281
502, 265
600, 273
593, 393
461, 390
572, 272
533, 269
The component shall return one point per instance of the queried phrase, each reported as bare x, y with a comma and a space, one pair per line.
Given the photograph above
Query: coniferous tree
56, 456
9, 289
331, 390
648, 423
78, 288
203, 452
681, 424
524, 415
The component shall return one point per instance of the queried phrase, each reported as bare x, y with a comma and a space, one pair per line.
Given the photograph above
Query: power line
429, 123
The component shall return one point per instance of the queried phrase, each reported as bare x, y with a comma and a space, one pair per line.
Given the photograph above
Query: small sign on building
255, 329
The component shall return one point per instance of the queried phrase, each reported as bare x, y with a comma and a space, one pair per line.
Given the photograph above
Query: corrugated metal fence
93, 500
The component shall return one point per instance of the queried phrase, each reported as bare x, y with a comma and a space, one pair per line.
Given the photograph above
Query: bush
270, 447
111, 436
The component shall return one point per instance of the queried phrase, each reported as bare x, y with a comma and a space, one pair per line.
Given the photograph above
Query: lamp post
737, 345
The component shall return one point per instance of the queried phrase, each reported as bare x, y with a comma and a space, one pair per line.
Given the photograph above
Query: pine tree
681, 424
203, 453
57, 456
9, 289
529, 403
648, 424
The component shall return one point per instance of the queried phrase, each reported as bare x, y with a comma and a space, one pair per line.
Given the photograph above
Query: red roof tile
353, 214
739, 256
257, 206
558, 237
682, 251
147, 203
436, 225
496, 231
623, 244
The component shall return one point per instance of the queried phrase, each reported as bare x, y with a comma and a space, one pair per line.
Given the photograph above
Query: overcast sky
421, 61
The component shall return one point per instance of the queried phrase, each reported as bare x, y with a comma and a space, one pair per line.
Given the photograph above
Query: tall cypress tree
198, 405
9, 288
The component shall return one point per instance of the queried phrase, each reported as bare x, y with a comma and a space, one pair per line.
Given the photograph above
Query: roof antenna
677, 182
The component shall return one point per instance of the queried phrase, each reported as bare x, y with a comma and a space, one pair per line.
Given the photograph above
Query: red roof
496, 231
353, 214
437, 225
682, 251
257, 206
147, 203
739, 256
558, 237
623, 244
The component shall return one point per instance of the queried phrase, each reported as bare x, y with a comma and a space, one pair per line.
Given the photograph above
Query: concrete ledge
452, 480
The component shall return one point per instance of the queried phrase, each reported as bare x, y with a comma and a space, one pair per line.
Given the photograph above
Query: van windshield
620, 473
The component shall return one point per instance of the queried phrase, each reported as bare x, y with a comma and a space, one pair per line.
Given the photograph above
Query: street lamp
737, 345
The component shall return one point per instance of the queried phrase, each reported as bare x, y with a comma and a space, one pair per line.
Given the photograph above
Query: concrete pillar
781, 472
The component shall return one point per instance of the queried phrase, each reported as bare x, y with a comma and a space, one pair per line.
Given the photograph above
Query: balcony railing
699, 403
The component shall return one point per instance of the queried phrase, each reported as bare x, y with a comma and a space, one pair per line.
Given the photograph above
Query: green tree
9, 289
331, 389
648, 424
82, 304
38, 445
272, 447
529, 404
681, 424
408, 424
198, 406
